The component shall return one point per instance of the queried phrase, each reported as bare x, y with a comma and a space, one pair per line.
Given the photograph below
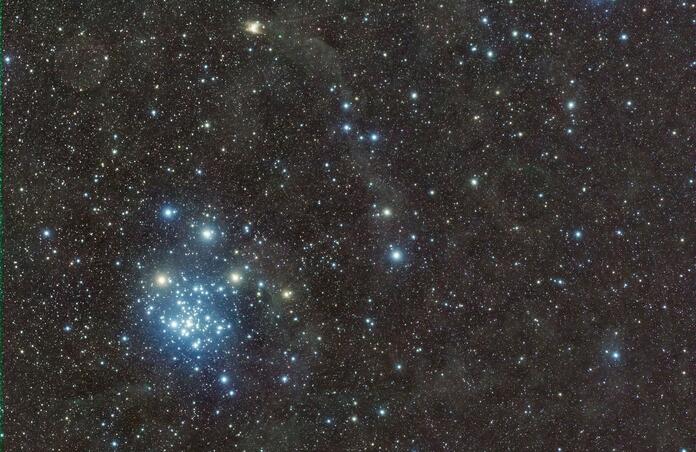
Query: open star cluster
325, 226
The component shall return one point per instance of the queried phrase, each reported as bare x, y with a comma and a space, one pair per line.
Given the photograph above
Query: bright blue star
207, 234
168, 212
396, 255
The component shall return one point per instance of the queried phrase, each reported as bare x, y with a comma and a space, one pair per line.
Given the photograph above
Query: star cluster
316, 225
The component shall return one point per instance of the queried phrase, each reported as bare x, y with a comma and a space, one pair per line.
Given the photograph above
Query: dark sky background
349, 225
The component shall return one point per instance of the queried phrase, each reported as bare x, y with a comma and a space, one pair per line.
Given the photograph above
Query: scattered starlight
341, 226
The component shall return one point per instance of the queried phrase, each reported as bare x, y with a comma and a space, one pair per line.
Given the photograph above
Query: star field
324, 225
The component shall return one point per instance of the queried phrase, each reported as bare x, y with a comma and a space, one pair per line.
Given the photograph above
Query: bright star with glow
207, 234
168, 212
235, 278
162, 280
396, 255
255, 28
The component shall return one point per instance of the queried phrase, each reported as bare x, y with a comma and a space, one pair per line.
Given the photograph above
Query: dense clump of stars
336, 226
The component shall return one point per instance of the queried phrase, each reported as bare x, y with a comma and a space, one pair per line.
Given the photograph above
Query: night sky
350, 225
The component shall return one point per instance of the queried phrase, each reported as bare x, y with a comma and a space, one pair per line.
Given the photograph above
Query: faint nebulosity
349, 225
